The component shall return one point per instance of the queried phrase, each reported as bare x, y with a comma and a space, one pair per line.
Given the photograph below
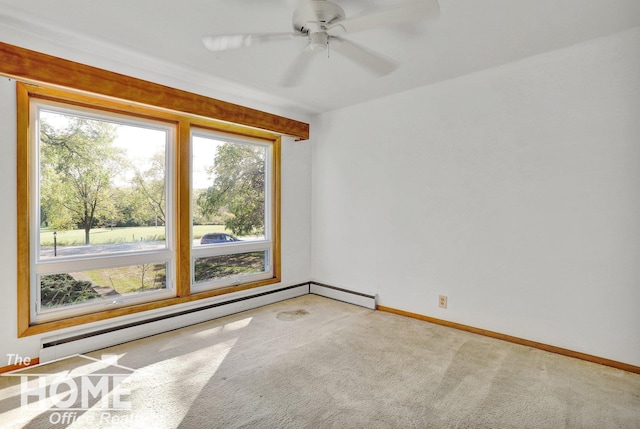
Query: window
102, 210
127, 208
233, 238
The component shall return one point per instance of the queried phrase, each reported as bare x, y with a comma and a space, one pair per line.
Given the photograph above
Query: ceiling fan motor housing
325, 13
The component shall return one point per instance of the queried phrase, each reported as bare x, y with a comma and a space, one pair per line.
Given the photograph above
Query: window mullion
183, 209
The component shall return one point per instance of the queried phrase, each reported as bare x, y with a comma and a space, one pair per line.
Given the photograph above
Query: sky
140, 143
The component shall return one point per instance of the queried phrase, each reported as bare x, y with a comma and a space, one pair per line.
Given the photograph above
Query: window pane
228, 183
60, 290
102, 186
223, 266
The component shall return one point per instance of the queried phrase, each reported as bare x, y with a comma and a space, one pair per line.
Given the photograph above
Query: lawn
130, 279
118, 235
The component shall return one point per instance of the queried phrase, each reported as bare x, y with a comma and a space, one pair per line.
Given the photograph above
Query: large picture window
109, 229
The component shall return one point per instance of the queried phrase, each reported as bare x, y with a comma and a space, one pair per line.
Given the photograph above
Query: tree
130, 208
200, 218
78, 163
238, 187
151, 184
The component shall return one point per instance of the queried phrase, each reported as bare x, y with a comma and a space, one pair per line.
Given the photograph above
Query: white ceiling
468, 36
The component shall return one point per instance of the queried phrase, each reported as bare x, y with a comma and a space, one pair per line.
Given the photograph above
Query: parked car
217, 237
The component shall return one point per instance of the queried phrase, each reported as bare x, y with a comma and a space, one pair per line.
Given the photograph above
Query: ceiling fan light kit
324, 23
318, 41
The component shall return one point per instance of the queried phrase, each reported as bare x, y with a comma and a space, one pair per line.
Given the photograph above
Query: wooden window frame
48, 77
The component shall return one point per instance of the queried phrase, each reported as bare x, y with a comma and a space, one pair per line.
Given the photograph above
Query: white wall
296, 182
514, 191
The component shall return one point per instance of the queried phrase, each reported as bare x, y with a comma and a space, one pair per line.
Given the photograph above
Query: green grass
118, 235
130, 279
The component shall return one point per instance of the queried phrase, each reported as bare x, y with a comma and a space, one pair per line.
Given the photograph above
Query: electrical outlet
442, 301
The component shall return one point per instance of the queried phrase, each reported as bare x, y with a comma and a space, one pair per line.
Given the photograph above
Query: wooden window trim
184, 123
35, 67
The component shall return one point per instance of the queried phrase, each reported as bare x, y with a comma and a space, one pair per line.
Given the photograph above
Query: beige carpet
312, 362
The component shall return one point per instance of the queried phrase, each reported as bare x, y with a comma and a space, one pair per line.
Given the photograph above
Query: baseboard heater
57, 347
53, 348
340, 294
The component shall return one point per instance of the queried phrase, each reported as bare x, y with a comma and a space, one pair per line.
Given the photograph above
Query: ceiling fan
324, 24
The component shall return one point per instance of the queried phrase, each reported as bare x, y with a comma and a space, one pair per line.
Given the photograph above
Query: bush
61, 289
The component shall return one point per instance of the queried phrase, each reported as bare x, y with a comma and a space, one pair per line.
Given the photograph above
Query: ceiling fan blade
226, 42
298, 69
361, 56
408, 12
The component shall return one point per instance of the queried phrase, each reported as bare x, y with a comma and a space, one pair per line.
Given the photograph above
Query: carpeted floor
312, 362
